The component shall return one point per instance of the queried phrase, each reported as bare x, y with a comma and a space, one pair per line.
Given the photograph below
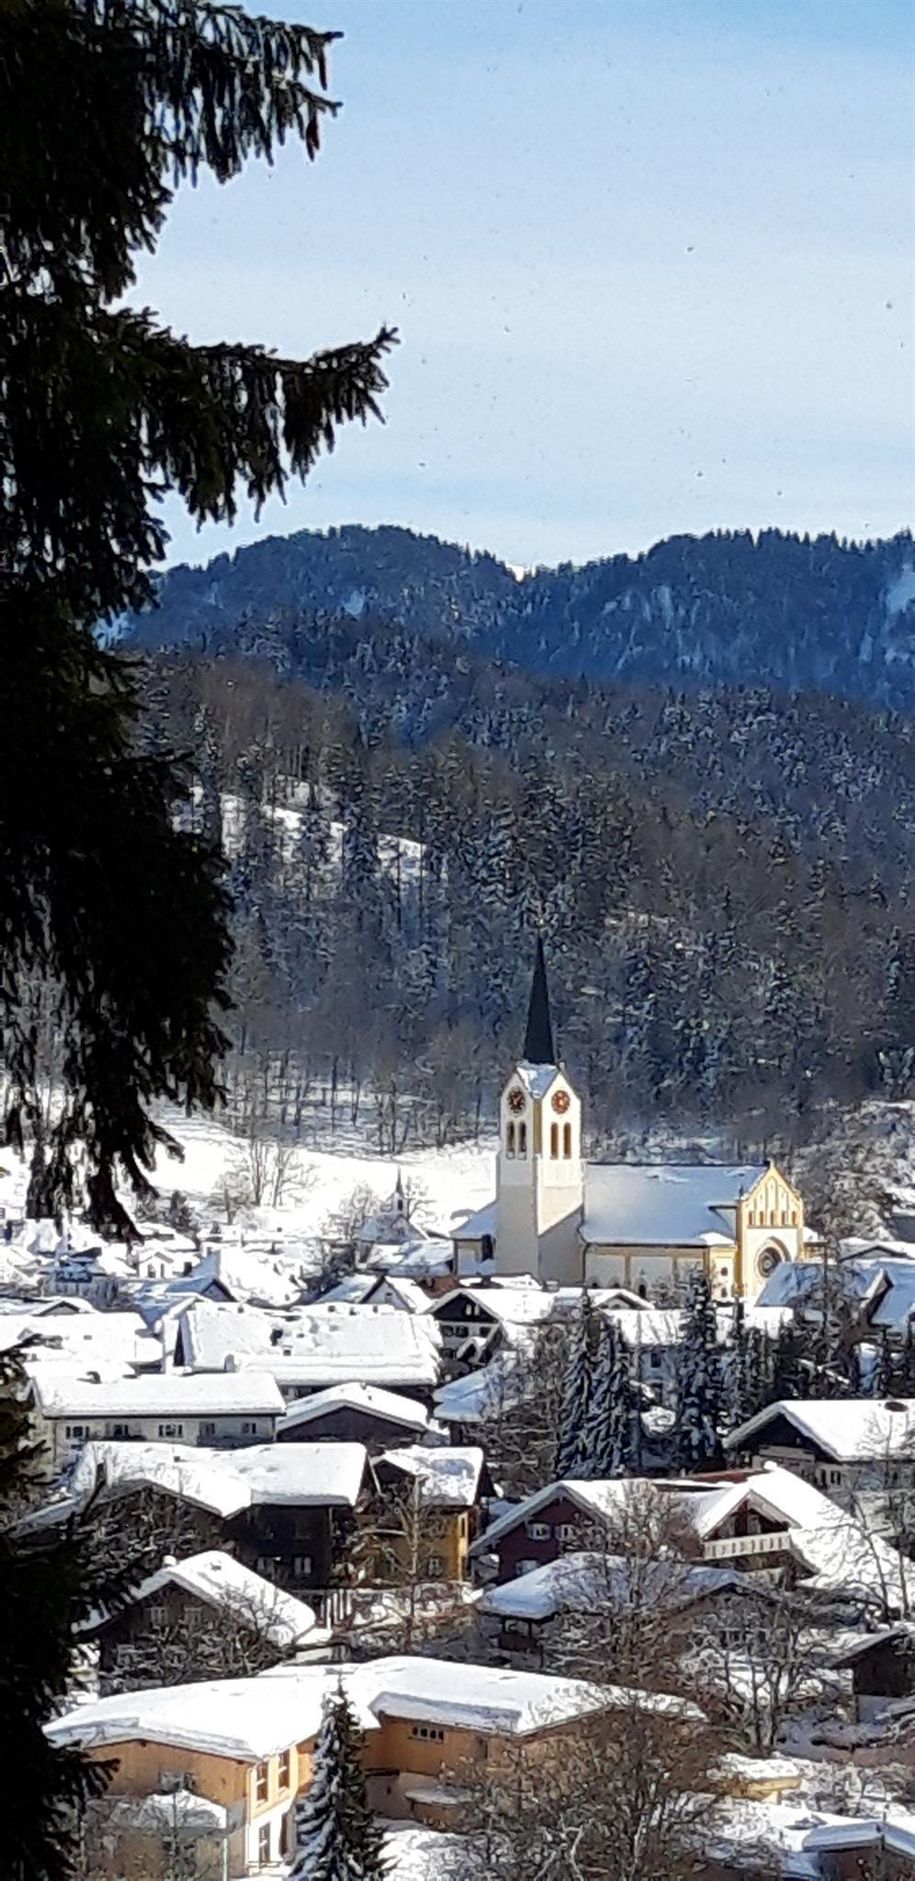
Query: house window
522, 1139
171, 1430
567, 1140
75, 1430
517, 1626
265, 1563
264, 1851
249, 1429
835, 1476
302, 1566
654, 1361
158, 1618
435, 1567
285, 1769
430, 1733
526, 1567
566, 1531
208, 1430
120, 1430
262, 1782
538, 1531
554, 1140
510, 1140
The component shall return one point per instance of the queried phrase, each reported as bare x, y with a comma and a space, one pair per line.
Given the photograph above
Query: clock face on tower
561, 1101
516, 1100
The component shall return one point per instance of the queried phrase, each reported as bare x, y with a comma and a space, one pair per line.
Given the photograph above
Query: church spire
538, 1038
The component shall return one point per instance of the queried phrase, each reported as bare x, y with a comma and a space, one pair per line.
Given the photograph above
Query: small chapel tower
540, 1174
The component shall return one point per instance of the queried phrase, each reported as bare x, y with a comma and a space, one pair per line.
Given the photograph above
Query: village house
848, 1446
247, 1744
199, 1612
443, 1489
285, 1510
519, 1617
646, 1227
357, 1413
882, 1666
742, 1517
474, 1320
225, 1409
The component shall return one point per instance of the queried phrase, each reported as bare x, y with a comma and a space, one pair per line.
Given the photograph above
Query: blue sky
651, 262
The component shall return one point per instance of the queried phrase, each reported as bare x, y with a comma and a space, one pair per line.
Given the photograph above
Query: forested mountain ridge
413, 786
727, 609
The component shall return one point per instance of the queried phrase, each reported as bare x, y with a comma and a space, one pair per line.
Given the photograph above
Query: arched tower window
554, 1140
510, 1140
522, 1139
567, 1139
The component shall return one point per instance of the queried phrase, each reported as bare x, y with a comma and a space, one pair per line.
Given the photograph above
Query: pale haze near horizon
651, 266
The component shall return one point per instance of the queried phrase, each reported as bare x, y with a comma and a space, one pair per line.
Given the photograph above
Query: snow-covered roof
847, 1429
702, 1502
847, 1559
316, 1345
667, 1204
449, 1477
407, 1293
155, 1394
538, 1080
237, 1591
648, 1326
470, 1400
252, 1718
481, 1221
80, 1340
525, 1306
302, 1474
356, 1397
578, 1582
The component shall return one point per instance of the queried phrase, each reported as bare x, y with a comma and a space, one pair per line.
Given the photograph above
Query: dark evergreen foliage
701, 1393
577, 1396
50, 1581
104, 110
337, 1837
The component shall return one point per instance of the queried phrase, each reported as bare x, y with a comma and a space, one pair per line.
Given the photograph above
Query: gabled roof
449, 1477
316, 1345
702, 1502
668, 1204
156, 1394
578, 1582
389, 1405
301, 1474
253, 1718
848, 1430
526, 1306
243, 1596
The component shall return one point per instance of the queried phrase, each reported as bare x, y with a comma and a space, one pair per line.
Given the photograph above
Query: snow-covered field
448, 1182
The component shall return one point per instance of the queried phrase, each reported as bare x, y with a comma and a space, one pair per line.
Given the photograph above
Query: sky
650, 262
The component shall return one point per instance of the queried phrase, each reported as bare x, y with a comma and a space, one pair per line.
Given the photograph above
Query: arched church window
510, 1140
567, 1139
522, 1139
554, 1140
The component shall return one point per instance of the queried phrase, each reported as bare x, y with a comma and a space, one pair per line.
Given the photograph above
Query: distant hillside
728, 609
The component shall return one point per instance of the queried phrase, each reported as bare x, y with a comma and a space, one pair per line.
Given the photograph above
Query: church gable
772, 1202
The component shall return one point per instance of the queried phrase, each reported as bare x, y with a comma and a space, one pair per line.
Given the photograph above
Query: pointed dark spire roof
538, 1038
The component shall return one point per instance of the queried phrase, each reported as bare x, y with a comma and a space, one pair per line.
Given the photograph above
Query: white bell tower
540, 1174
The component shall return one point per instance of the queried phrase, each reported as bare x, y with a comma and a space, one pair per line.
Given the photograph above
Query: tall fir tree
50, 1582
104, 896
578, 1386
337, 1837
608, 1437
701, 1404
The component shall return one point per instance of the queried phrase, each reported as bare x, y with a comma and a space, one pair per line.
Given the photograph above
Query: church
643, 1226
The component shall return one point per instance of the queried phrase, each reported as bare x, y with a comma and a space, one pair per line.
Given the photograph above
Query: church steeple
538, 1037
